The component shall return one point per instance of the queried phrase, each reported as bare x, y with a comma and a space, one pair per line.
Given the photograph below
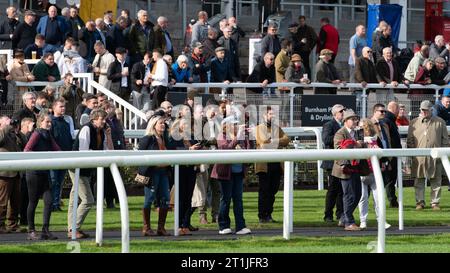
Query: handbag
141, 179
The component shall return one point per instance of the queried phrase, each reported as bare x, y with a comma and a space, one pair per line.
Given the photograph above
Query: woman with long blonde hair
158, 188
372, 141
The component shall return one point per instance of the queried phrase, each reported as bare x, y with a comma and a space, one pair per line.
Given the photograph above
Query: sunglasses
382, 111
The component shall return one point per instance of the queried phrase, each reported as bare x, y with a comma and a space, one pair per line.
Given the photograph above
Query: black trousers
390, 178
269, 183
4, 94
334, 197
110, 188
38, 184
23, 200
352, 194
159, 95
187, 185
124, 93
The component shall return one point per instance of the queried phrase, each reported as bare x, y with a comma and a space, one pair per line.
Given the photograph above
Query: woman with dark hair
38, 182
231, 177
181, 139
423, 77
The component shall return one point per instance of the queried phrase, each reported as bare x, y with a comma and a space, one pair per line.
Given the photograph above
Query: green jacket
41, 71
140, 43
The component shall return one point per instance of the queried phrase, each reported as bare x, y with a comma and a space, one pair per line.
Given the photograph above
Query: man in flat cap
326, 72
427, 131
334, 191
351, 182
221, 68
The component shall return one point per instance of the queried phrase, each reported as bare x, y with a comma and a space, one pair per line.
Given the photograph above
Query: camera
14, 122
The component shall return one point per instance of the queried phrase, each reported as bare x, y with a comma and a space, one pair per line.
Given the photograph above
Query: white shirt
85, 139
124, 82
161, 76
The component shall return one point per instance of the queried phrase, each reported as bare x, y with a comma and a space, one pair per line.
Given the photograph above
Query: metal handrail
289, 85
102, 159
118, 100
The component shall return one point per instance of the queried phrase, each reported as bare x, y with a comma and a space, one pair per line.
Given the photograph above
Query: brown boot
161, 222
146, 229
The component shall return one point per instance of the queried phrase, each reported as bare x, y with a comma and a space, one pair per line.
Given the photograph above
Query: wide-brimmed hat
296, 58
349, 113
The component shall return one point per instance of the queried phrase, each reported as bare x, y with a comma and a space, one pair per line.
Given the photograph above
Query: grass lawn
308, 212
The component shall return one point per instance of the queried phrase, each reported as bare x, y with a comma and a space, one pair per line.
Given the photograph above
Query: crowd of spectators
137, 60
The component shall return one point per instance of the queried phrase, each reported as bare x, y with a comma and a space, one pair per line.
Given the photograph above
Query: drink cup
33, 55
305, 76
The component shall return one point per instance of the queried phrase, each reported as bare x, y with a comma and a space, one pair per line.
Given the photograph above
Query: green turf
252, 244
308, 212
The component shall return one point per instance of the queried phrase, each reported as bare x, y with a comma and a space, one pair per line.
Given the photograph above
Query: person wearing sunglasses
365, 70
334, 191
348, 138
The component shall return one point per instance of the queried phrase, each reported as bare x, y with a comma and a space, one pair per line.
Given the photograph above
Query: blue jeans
232, 188
57, 178
352, 194
159, 187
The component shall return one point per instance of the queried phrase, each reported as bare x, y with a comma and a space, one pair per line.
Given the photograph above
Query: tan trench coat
427, 134
263, 141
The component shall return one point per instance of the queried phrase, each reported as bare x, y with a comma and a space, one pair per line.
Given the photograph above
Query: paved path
213, 234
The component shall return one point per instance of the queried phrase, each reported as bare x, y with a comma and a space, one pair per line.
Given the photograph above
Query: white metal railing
292, 86
289, 131
113, 160
9, 57
131, 115
338, 8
